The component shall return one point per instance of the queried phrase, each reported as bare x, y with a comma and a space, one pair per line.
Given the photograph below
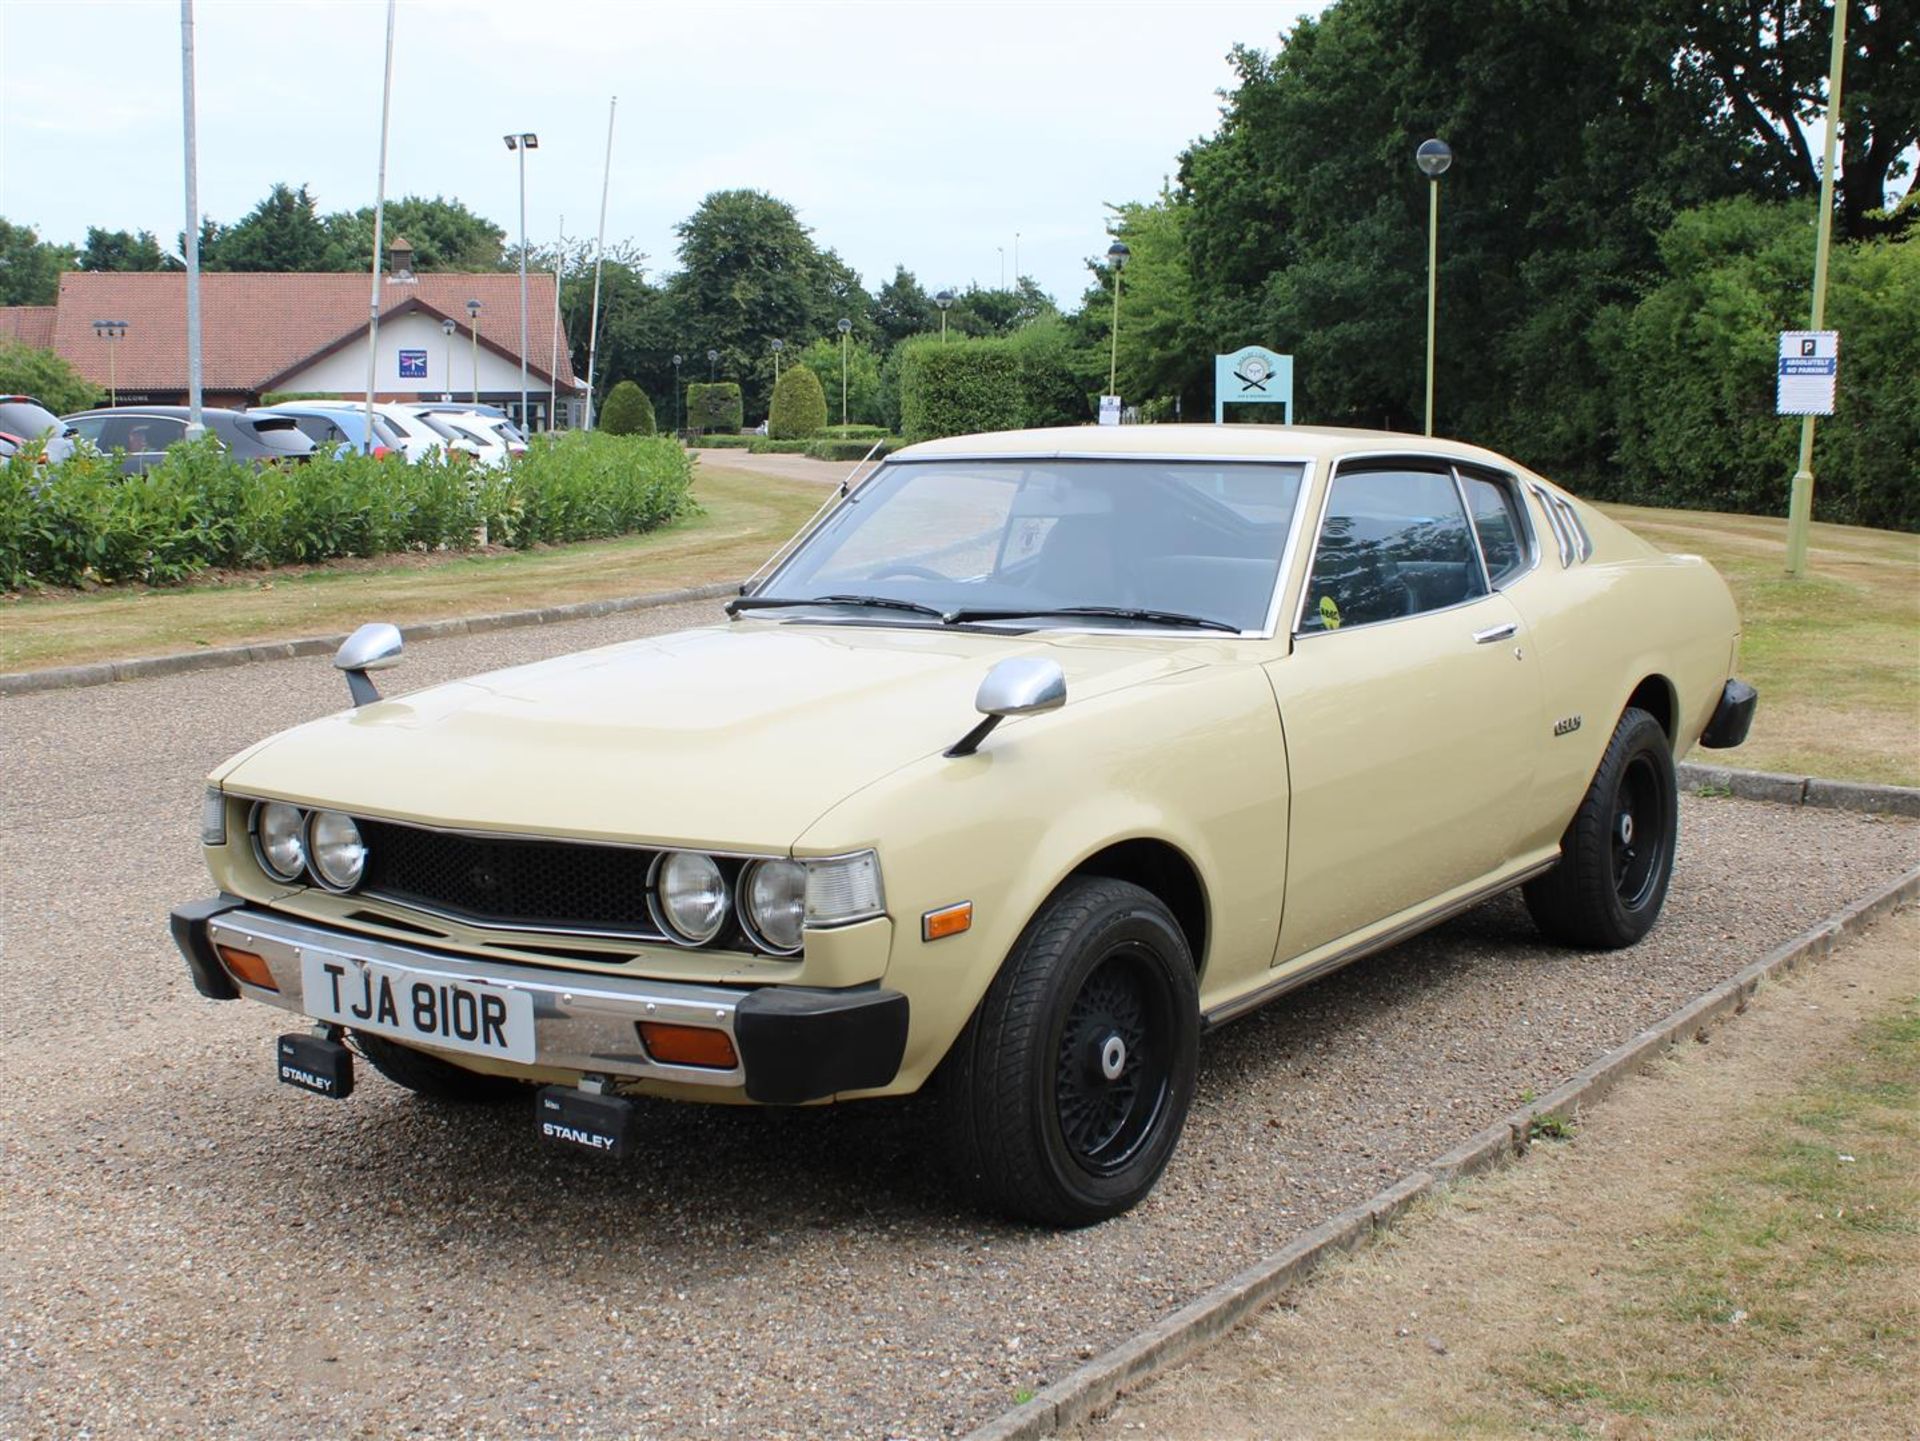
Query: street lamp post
677, 426
521, 143
447, 328
713, 366
945, 301
1003, 265
1433, 157
1117, 254
778, 346
845, 327
113, 332
473, 330
1016, 257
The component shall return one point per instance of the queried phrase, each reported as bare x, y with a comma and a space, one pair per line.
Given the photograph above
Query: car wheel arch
1165, 872
1656, 696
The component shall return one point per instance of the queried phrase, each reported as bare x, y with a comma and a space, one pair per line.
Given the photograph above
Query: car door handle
1492, 633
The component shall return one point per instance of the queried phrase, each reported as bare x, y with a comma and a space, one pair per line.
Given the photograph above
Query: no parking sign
1809, 372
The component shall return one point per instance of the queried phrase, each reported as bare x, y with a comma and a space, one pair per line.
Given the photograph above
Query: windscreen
280, 434
1201, 539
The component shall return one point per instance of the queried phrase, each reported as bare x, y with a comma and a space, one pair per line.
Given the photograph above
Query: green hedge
799, 407
727, 442
959, 388
850, 450
715, 406
83, 521
854, 432
766, 445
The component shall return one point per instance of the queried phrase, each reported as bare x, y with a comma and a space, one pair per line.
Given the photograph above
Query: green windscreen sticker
1329, 613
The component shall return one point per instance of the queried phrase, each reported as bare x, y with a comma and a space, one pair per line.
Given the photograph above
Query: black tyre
434, 1078
1617, 855
1066, 1093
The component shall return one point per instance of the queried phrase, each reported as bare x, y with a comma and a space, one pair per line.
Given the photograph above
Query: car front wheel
1617, 855
1067, 1092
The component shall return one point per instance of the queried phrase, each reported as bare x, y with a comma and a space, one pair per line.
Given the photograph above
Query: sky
922, 132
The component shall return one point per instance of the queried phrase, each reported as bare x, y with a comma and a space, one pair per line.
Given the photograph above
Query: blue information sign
413, 365
1252, 375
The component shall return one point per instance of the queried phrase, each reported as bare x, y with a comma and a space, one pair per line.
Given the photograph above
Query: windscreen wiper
1112, 612
877, 602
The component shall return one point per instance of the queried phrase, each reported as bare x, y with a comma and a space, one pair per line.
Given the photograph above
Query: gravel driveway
187, 1247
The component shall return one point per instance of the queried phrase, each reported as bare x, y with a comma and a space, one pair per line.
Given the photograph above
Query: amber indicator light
248, 967
688, 1045
947, 921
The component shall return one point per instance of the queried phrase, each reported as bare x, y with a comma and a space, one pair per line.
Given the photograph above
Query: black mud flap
314, 1063
583, 1120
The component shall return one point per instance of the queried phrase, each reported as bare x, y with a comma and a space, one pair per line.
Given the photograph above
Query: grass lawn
744, 517
1836, 656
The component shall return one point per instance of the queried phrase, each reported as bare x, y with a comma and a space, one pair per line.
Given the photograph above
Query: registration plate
455, 1015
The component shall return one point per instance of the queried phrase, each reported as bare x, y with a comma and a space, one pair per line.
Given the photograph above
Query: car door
1410, 705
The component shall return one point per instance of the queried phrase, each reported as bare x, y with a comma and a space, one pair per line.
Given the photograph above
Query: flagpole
553, 355
379, 221
195, 424
599, 249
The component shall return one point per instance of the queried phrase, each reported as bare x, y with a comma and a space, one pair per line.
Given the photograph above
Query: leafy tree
901, 309
29, 266
751, 274
627, 411
1162, 352
715, 406
863, 403
799, 406
1758, 72
444, 234
282, 232
28, 370
1057, 372
123, 250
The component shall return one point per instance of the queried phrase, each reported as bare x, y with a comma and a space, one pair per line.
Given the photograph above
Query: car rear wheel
1617, 855
434, 1078
1067, 1092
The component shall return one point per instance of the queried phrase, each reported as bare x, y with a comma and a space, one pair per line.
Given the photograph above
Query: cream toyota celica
1036, 755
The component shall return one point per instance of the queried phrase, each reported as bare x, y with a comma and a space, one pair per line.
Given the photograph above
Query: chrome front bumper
582, 1022
792, 1043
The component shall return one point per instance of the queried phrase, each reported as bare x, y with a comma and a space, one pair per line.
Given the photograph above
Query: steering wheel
917, 572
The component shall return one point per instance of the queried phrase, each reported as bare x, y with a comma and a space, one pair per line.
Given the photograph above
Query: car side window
1496, 518
1394, 543
89, 427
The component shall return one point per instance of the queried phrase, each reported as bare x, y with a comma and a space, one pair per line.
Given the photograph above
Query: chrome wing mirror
375, 646
1018, 685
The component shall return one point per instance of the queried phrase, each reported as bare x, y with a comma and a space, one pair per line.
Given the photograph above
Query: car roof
1212, 442
174, 412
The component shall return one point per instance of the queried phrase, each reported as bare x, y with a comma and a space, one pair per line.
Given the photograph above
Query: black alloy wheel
1066, 1093
1616, 856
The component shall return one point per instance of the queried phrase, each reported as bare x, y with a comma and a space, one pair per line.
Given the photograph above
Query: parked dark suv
25, 421
145, 431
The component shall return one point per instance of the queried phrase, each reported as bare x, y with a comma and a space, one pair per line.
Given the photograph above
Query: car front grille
509, 881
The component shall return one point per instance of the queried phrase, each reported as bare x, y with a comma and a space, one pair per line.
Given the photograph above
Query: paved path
188, 1247
785, 467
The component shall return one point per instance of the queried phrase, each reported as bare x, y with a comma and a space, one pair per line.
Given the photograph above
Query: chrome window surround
658, 847
1287, 552
1451, 465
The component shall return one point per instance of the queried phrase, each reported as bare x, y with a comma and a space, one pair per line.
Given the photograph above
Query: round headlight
335, 850
773, 902
691, 895
279, 840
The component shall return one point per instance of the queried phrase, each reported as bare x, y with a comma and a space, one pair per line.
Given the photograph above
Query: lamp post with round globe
945, 301
713, 366
845, 327
677, 427
1117, 254
447, 328
473, 334
1433, 157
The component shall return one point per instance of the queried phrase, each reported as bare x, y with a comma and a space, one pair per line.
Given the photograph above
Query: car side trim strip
1253, 1000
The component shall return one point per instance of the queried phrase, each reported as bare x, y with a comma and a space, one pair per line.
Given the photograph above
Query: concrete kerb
1798, 790
67, 677
1175, 1338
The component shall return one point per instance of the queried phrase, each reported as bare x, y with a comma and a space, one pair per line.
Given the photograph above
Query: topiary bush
959, 388
627, 411
799, 406
715, 406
